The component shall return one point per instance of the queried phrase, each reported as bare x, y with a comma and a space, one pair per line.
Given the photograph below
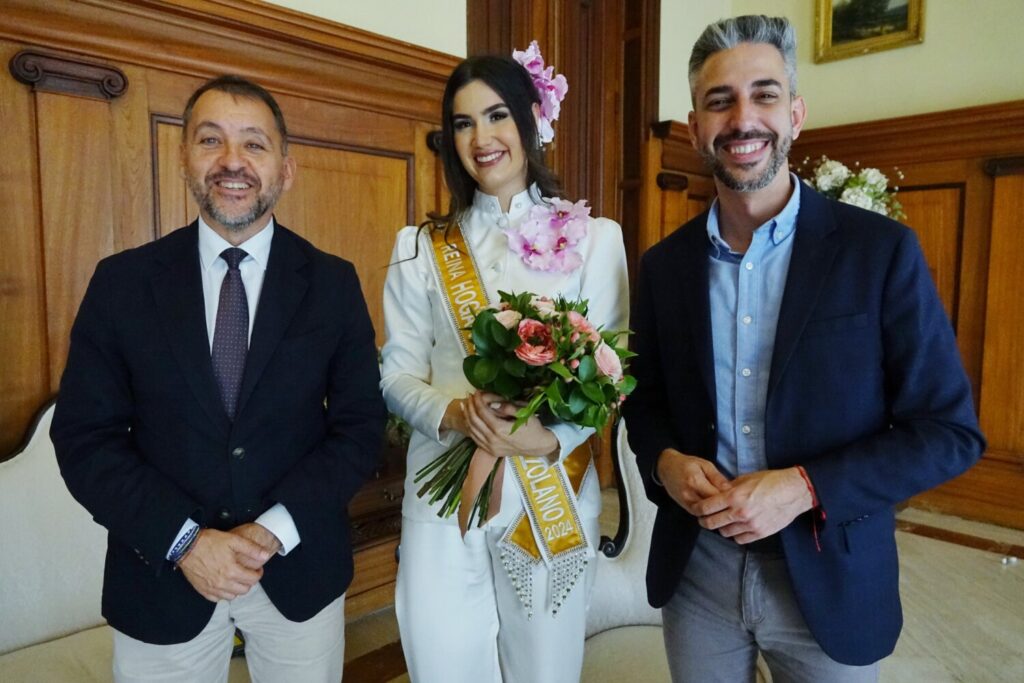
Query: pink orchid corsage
551, 88
546, 239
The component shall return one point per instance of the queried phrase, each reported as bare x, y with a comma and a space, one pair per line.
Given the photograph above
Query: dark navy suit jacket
143, 441
866, 391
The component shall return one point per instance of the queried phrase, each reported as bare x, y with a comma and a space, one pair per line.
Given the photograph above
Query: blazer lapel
178, 292
283, 290
695, 295
814, 250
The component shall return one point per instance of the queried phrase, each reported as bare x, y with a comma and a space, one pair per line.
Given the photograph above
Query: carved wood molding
676, 182
290, 53
985, 131
68, 76
1004, 166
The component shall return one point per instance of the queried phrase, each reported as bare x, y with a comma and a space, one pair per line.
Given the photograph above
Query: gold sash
549, 528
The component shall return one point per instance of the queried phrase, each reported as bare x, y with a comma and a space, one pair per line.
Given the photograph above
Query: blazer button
224, 514
238, 452
711, 426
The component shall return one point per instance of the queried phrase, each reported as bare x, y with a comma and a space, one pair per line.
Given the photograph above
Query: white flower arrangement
868, 188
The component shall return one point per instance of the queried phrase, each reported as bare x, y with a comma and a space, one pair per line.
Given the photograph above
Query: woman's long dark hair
514, 86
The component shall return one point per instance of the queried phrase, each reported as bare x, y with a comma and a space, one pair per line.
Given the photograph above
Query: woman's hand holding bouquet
533, 356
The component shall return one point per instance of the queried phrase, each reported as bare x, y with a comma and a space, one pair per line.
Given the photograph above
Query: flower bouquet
547, 357
868, 188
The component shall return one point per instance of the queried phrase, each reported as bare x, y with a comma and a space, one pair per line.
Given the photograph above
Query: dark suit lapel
178, 292
283, 290
695, 296
814, 249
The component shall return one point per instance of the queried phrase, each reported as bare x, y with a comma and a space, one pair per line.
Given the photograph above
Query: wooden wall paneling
132, 170
23, 343
350, 203
76, 163
1002, 394
373, 583
174, 205
937, 222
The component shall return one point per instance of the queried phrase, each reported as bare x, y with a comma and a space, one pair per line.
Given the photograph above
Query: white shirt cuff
185, 528
278, 521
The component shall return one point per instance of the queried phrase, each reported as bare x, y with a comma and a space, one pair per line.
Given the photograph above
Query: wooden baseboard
991, 491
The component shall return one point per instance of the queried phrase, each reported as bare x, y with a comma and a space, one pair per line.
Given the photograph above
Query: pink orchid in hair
551, 88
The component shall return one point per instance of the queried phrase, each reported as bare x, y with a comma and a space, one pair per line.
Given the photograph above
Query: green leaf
469, 364
506, 386
560, 370
593, 392
481, 339
497, 332
627, 385
514, 367
485, 371
577, 401
587, 369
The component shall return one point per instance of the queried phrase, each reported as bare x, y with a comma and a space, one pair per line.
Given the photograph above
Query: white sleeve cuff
569, 437
278, 521
185, 528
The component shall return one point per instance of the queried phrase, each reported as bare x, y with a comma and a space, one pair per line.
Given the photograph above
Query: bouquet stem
446, 474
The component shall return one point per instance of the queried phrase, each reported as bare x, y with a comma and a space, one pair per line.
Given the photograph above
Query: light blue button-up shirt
746, 293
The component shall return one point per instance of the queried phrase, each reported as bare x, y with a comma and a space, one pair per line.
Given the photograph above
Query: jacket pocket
869, 532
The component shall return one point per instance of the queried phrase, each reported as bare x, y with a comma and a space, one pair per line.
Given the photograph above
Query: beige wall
437, 24
972, 54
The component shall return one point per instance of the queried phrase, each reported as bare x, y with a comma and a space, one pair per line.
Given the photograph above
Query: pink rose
543, 304
509, 318
537, 348
608, 362
583, 326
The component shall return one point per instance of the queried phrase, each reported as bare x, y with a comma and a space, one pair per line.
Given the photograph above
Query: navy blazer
866, 391
143, 440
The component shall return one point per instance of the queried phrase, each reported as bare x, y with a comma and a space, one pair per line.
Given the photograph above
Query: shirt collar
211, 245
520, 204
779, 227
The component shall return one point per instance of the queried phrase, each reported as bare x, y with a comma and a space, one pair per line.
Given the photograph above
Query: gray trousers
732, 603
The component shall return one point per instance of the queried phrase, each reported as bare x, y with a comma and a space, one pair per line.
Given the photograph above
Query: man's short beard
780, 151
265, 201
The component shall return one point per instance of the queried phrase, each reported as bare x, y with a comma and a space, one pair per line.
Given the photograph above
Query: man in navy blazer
797, 378
219, 409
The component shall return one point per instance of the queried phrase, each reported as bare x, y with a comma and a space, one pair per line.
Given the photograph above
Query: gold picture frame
850, 28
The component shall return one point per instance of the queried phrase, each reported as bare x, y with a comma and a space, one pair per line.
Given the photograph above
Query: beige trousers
276, 649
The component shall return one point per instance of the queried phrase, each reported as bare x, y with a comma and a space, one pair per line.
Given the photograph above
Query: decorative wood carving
1004, 166
64, 75
434, 141
673, 182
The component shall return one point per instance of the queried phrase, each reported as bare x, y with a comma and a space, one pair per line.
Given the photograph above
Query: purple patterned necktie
231, 332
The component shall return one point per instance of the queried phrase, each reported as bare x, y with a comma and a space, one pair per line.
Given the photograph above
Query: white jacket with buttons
422, 358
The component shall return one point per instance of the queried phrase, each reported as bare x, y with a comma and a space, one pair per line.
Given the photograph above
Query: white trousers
462, 622
276, 649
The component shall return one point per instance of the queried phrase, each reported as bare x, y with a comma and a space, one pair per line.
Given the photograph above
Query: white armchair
624, 641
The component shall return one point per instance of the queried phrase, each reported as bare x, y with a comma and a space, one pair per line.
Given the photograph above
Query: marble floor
963, 602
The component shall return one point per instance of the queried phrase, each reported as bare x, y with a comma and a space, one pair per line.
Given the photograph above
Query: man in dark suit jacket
797, 378
218, 410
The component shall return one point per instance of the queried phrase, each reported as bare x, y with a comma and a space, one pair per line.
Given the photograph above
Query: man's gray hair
728, 33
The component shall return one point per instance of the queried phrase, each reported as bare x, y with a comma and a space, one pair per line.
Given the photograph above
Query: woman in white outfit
459, 615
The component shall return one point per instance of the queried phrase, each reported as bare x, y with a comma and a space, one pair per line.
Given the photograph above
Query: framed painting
849, 28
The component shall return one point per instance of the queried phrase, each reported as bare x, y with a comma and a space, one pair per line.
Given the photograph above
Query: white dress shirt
422, 359
253, 267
